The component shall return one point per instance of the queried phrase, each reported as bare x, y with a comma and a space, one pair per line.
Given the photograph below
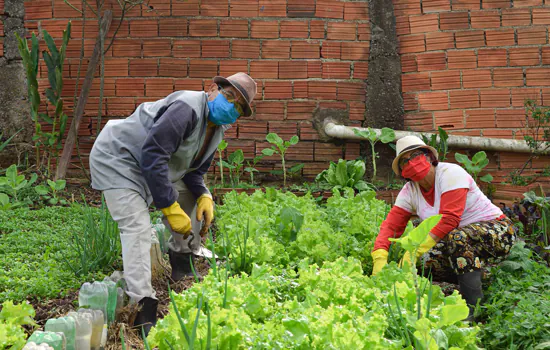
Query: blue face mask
222, 112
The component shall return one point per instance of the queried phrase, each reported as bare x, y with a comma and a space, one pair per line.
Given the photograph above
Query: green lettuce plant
387, 135
345, 174
12, 319
51, 192
281, 147
14, 185
474, 166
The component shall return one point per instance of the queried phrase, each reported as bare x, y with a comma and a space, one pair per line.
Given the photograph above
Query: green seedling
387, 135
51, 192
221, 147
476, 165
280, 147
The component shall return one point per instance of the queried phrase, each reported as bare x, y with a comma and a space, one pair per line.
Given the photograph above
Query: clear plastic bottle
97, 327
112, 300
34, 346
53, 339
120, 300
83, 323
94, 296
65, 325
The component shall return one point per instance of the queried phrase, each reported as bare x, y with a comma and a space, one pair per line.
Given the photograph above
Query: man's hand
178, 220
380, 259
428, 244
205, 211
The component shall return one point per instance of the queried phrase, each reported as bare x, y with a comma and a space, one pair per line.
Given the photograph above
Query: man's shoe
181, 265
146, 317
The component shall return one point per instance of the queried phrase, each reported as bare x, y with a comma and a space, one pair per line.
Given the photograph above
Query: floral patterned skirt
472, 247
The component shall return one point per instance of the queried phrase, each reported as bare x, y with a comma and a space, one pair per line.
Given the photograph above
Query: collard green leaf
268, 152
236, 157
274, 139
294, 140
487, 178
42, 190
461, 158
222, 145
480, 157
387, 135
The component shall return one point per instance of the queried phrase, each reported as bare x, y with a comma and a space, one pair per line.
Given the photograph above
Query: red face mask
416, 169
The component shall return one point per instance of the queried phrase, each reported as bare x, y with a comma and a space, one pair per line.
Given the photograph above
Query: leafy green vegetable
387, 135
12, 318
476, 165
345, 174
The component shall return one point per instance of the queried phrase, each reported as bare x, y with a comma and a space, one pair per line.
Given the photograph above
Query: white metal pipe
459, 142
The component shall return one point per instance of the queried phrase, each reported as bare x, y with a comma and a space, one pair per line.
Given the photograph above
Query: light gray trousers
131, 212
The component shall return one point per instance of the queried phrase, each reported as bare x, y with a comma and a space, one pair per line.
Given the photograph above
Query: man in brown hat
159, 154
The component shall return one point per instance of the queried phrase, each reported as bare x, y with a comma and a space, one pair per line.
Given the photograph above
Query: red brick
143, 67
314, 69
526, 3
410, 102
322, 90
546, 55
127, 48
415, 82
264, 69
306, 49
284, 129
215, 48
300, 89
357, 111
498, 133
351, 91
115, 67
157, 47
230, 67
268, 110
504, 77
317, 29
510, 118
34, 10
170, 67
470, 39
234, 28
363, 32
505, 37
431, 61
331, 49
546, 97
406, 7
477, 78
245, 49
307, 132
185, 8
187, 48
485, 19
294, 29
203, 27
159, 87
449, 119
336, 70
355, 51
538, 76
402, 26
203, 68
329, 9
419, 121
412, 43
300, 110
264, 29
541, 16
155, 8
142, 29
516, 17
408, 64
130, 87
520, 95
303, 151
492, 58
275, 49
436, 5
244, 8
464, 99
495, 4
524, 56
272, 8
60, 8
301, 8
215, 8
440, 41
173, 27
445, 80
532, 36
293, 70
466, 5
461, 59
360, 70
433, 101
277, 90
252, 130
453, 21
480, 118
1, 28
495, 98
327, 151
356, 11
341, 31
424, 23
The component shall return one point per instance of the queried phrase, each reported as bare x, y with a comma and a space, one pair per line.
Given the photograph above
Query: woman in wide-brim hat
472, 232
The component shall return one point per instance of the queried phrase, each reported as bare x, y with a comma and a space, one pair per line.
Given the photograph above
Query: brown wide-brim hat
406, 144
244, 84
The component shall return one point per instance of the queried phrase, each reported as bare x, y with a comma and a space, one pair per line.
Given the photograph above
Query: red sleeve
392, 227
451, 207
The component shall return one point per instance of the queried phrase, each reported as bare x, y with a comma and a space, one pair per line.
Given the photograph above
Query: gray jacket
131, 153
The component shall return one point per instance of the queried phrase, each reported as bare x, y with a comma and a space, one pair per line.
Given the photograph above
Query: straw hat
244, 84
406, 144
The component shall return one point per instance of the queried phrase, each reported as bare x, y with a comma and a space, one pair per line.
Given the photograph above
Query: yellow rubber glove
428, 244
380, 259
178, 220
205, 211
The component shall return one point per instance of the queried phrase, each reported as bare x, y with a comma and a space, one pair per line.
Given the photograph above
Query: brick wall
468, 66
304, 54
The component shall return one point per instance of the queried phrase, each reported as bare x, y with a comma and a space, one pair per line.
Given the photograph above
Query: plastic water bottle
112, 300
34, 346
83, 322
65, 325
120, 300
54, 340
97, 327
94, 296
